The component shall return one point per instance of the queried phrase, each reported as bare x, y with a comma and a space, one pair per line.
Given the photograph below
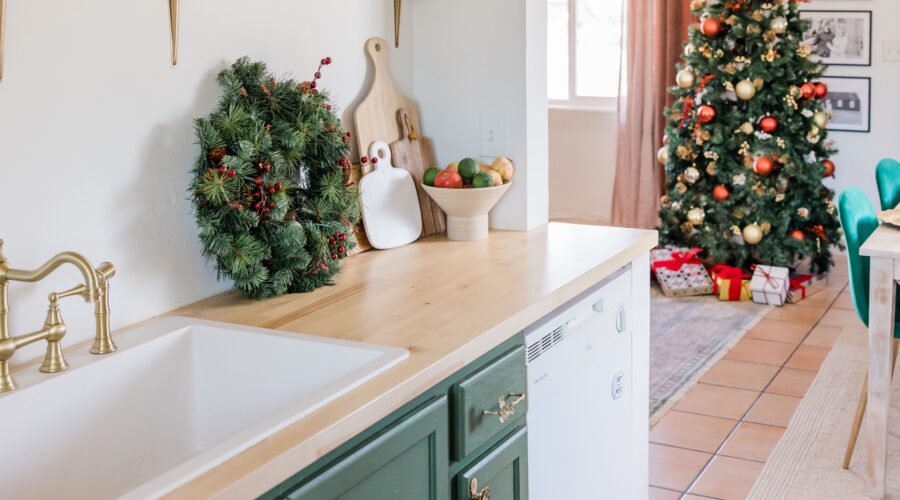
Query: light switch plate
493, 134
891, 50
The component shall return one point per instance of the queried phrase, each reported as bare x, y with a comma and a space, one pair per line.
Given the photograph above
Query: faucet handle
54, 361
105, 271
2, 256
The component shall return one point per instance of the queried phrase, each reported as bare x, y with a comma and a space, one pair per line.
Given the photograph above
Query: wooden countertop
447, 302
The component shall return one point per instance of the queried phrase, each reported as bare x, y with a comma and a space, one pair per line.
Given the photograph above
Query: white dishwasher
580, 403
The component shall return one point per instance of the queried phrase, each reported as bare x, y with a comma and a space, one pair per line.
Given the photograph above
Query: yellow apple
504, 167
453, 166
495, 177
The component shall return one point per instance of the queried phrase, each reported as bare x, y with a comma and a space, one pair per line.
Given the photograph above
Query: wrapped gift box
730, 283
770, 285
679, 272
804, 285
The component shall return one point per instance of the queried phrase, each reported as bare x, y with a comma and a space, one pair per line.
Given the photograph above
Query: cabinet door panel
503, 471
409, 460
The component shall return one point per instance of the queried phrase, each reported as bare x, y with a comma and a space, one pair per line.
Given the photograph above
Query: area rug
806, 464
687, 336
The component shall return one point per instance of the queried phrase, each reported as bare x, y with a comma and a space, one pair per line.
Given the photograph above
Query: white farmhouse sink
179, 397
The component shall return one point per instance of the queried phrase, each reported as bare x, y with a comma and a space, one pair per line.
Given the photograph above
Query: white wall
582, 164
474, 57
859, 153
96, 138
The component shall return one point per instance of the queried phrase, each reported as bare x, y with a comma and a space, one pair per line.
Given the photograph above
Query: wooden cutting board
415, 154
388, 201
376, 114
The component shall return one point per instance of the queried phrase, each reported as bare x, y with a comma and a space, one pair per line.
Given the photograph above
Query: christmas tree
271, 186
745, 147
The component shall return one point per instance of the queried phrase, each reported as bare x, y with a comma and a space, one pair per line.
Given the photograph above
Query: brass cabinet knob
474, 494
506, 406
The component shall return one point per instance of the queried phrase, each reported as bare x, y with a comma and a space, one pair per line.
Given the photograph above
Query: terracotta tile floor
716, 439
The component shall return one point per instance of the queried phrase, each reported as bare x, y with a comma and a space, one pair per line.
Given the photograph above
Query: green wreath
270, 187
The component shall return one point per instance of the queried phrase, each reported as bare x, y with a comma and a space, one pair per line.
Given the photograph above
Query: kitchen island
448, 303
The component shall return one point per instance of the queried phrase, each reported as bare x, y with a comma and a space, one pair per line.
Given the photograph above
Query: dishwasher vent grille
545, 343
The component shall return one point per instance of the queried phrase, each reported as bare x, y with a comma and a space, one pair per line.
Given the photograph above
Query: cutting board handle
407, 129
377, 49
380, 150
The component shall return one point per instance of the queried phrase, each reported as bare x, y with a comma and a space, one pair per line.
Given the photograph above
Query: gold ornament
779, 25
691, 175
663, 155
680, 188
685, 78
754, 30
766, 227
683, 152
745, 90
752, 234
804, 50
712, 168
665, 202
747, 128
689, 50
820, 119
803, 212
695, 216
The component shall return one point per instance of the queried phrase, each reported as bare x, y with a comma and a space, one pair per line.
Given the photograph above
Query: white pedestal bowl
467, 209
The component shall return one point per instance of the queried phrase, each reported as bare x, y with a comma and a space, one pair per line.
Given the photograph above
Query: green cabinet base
501, 474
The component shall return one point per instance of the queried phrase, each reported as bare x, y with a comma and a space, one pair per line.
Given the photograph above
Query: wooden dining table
883, 250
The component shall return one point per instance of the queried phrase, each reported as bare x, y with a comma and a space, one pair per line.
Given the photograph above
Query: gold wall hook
2, 21
396, 23
173, 29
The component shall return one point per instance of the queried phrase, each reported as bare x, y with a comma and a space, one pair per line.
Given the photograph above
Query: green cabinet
435, 445
501, 474
409, 460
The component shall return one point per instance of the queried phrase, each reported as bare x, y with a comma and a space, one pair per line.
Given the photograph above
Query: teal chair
887, 175
859, 222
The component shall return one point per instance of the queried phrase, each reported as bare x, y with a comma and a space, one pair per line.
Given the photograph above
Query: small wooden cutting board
415, 154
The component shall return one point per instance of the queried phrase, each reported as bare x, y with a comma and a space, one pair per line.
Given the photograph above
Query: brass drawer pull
474, 494
506, 406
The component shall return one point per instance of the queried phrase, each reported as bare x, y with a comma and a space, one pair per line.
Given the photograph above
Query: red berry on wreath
374, 160
232, 173
341, 249
271, 204
265, 211
764, 166
808, 90
278, 186
327, 60
258, 181
318, 74
343, 237
798, 235
364, 160
334, 256
829, 167
706, 113
710, 27
272, 190
821, 90
768, 124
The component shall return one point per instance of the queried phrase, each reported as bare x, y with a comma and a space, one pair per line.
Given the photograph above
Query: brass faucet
94, 289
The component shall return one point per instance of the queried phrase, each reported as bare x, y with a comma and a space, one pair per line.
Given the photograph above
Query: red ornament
829, 167
720, 193
710, 27
768, 124
798, 235
706, 113
808, 90
764, 166
821, 90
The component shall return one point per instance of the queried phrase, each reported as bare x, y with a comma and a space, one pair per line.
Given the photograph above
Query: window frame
576, 101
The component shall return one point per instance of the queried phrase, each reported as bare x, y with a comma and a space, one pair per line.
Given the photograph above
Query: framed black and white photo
839, 37
849, 102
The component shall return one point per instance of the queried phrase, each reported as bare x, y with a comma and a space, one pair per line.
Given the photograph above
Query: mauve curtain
652, 41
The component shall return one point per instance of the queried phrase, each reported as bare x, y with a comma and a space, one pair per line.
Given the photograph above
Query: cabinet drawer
498, 388
501, 474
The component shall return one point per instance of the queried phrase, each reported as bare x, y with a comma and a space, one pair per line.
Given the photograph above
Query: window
584, 41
